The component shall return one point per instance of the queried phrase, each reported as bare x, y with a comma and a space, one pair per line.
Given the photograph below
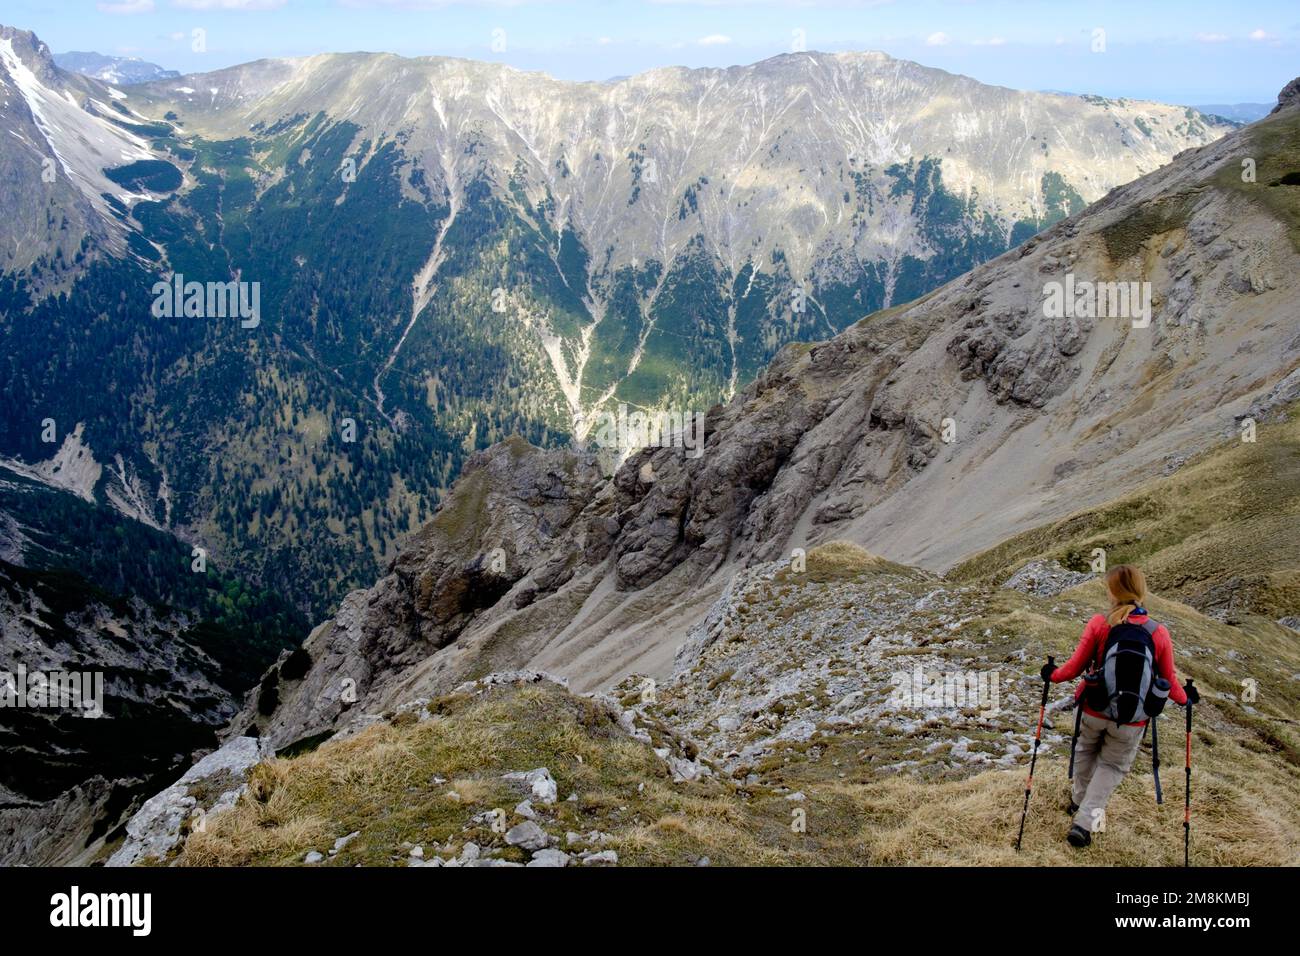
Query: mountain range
449, 252
117, 70
1237, 112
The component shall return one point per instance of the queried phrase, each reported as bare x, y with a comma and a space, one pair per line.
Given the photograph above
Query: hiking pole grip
1038, 736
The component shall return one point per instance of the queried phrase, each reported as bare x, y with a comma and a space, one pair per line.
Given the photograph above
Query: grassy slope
1273, 144
381, 783
859, 811
1227, 521
1276, 150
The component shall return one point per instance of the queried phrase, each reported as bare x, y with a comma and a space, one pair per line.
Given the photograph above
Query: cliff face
925, 433
511, 505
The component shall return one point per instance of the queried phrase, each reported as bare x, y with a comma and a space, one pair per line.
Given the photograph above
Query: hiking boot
1074, 808
1079, 837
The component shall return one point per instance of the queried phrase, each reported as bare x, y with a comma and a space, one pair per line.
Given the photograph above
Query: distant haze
1238, 112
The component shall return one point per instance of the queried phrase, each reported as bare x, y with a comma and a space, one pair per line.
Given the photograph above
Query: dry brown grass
1244, 813
840, 561
1245, 808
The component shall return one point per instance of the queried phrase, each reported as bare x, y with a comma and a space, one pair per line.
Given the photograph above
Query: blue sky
1184, 51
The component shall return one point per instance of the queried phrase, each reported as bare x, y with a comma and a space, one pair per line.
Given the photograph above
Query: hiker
1131, 674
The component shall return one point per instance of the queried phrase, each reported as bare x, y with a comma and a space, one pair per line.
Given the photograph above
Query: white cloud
415, 4
770, 3
228, 4
938, 39
605, 41
1212, 37
1260, 35
126, 7
714, 39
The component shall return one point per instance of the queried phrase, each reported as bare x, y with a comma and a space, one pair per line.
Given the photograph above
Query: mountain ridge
112, 69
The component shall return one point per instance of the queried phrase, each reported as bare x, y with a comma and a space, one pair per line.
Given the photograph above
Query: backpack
1123, 686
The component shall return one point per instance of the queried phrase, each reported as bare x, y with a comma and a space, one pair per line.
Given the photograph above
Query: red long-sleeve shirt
1089, 649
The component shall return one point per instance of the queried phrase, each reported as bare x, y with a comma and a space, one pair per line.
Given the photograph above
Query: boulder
527, 835
156, 827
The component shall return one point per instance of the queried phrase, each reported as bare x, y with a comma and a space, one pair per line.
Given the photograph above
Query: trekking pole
1192, 696
1038, 736
1074, 741
1155, 757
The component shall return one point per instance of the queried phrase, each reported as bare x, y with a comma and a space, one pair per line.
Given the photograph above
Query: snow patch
83, 143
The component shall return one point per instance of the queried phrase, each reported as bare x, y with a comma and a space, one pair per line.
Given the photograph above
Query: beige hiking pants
1103, 756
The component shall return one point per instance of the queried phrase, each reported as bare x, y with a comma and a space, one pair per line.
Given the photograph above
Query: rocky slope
60, 137
845, 440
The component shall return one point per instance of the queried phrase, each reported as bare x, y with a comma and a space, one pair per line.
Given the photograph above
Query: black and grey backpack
1124, 686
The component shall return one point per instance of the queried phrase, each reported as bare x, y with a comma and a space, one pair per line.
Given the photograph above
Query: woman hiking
1130, 662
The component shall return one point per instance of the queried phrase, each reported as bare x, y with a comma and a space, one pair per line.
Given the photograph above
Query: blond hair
1128, 592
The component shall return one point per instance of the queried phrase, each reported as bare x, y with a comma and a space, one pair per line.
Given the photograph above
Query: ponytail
1119, 613
1128, 590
